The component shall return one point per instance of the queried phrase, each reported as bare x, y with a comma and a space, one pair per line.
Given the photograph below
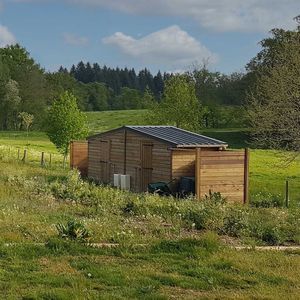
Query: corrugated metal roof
177, 137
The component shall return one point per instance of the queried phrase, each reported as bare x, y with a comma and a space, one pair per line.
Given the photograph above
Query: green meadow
142, 246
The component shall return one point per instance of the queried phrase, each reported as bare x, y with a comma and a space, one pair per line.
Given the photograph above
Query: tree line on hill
212, 87
25, 87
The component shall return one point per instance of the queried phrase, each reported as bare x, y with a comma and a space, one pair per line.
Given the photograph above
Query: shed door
104, 161
146, 166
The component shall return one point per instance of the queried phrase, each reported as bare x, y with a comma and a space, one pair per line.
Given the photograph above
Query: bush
271, 235
268, 225
207, 216
235, 221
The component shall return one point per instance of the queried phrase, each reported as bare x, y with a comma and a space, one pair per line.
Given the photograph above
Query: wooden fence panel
223, 171
79, 156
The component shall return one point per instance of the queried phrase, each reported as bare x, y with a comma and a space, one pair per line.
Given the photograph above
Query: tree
30, 78
65, 123
11, 105
128, 99
148, 99
26, 120
179, 105
98, 95
274, 102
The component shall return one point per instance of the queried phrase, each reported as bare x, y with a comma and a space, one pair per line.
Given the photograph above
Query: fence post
18, 154
24, 156
50, 160
246, 176
43, 159
287, 193
198, 173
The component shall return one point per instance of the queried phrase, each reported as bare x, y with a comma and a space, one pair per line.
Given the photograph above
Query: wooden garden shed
164, 153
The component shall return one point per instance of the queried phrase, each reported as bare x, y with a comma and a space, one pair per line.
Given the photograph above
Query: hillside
106, 120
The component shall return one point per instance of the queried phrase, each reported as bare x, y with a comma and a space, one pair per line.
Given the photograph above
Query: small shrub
73, 231
271, 235
208, 216
215, 197
268, 225
235, 222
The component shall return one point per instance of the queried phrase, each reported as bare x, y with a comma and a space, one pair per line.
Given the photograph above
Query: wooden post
287, 193
125, 151
71, 155
50, 160
198, 173
18, 154
43, 159
24, 156
246, 176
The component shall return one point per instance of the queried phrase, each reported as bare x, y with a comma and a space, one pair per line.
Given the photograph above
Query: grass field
161, 254
167, 249
106, 120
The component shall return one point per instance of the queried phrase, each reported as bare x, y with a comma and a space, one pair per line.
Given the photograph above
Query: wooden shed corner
226, 172
79, 156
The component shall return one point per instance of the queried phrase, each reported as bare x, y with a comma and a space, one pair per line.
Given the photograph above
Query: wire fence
31, 156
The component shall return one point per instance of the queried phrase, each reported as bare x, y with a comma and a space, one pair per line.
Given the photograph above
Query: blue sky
169, 35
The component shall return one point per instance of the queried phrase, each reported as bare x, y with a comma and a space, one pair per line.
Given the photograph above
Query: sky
166, 35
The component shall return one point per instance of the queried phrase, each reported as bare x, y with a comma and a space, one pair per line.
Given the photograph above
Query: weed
73, 231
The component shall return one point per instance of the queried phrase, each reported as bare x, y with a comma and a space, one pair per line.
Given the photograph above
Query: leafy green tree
206, 85
128, 99
98, 96
148, 99
30, 78
179, 105
11, 105
274, 101
65, 123
26, 120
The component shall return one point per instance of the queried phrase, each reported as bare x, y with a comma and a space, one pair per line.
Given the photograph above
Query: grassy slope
106, 120
172, 265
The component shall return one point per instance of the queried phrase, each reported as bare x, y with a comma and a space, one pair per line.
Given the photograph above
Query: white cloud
217, 15
171, 47
72, 39
6, 37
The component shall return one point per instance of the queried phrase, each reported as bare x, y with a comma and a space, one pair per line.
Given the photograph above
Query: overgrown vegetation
143, 218
167, 247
